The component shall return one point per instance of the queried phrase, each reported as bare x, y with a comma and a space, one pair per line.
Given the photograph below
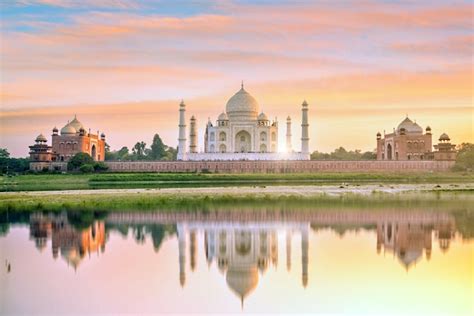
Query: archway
243, 142
222, 136
263, 148
389, 152
93, 152
222, 148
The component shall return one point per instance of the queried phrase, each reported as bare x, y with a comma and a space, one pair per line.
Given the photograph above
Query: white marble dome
242, 106
76, 124
409, 126
223, 117
68, 129
262, 117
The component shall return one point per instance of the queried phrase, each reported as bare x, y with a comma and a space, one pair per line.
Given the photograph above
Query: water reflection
243, 246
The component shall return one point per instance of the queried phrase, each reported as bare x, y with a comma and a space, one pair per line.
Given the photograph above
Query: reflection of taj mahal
241, 133
242, 251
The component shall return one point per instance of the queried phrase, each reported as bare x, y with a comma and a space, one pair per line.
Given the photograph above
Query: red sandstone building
72, 139
408, 142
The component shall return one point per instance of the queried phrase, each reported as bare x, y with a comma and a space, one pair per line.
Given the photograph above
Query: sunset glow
123, 66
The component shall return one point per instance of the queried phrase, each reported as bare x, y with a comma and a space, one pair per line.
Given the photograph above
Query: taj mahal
241, 133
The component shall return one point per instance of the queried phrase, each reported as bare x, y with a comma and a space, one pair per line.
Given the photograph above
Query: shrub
86, 168
78, 160
100, 166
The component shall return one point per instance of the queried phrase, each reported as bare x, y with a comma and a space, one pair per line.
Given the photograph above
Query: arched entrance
389, 152
93, 152
222, 148
243, 142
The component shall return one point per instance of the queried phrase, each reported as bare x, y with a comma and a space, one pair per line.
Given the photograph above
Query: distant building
71, 140
408, 142
444, 149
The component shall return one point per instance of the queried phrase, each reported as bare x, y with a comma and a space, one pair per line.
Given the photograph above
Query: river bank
199, 198
57, 182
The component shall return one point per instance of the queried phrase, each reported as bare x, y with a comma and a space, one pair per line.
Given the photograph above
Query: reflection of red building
72, 243
408, 240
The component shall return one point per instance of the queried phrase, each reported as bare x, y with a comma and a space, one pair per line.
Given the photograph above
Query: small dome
102, 135
41, 138
378, 134
55, 129
409, 126
288, 118
242, 106
193, 118
305, 104
68, 129
262, 117
428, 128
444, 136
223, 117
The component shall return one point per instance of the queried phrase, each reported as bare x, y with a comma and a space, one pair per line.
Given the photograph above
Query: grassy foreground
48, 182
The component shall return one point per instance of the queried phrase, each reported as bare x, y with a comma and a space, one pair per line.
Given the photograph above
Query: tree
4, 153
465, 157
139, 150
123, 153
158, 149
86, 168
78, 160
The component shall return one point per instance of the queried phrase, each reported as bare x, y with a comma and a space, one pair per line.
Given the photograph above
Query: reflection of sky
348, 59
346, 275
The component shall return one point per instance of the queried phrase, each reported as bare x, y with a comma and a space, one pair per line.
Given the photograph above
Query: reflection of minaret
182, 254
304, 255
192, 249
288, 250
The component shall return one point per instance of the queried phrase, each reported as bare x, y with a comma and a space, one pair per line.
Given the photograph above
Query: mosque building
408, 142
72, 139
241, 133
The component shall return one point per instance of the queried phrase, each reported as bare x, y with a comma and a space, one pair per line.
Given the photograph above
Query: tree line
342, 154
157, 151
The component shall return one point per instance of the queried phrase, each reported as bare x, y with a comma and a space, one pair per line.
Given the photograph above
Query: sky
123, 67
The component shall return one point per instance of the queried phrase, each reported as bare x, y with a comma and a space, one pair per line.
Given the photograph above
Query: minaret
182, 132
182, 253
304, 129
288, 135
193, 136
304, 255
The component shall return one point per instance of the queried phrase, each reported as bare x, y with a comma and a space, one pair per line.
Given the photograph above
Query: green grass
202, 202
45, 182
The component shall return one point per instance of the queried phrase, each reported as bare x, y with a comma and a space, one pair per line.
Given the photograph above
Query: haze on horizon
123, 66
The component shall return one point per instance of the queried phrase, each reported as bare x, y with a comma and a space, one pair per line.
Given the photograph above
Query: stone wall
278, 166
51, 166
244, 156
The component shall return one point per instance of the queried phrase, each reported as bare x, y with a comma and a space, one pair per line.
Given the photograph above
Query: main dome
242, 106
410, 126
